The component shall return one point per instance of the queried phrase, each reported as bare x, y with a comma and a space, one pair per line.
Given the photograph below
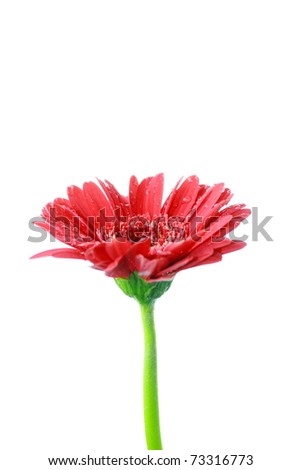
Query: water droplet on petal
186, 199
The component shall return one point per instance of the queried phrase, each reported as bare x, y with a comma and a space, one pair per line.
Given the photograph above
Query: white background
109, 89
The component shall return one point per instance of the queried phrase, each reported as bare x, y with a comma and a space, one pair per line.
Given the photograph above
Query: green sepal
140, 289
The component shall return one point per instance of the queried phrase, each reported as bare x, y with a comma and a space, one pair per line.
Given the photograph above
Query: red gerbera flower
143, 244
121, 235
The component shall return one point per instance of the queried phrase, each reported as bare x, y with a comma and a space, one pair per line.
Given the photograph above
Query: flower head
122, 235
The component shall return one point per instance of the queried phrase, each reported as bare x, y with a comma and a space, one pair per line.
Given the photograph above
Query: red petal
225, 197
215, 258
238, 212
184, 197
232, 246
60, 253
146, 268
155, 194
205, 206
126, 264
62, 201
99, 256
172, 269
40, 223
141, 193
118, 202
95, 199
192, 259
167, 203
118, 268
78, 201
68, 226
133, 193
98, 203
149, 196
213, 228
105, 252
219, 244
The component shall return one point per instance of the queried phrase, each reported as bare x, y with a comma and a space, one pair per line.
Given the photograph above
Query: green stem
150, 387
